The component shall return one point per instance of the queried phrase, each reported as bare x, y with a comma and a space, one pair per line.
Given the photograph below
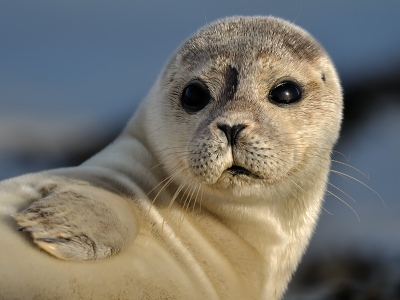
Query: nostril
231, 133
235, 131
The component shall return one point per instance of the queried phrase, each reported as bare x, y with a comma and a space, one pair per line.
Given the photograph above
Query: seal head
249, 102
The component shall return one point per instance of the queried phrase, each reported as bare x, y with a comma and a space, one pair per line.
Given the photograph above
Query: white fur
224, 236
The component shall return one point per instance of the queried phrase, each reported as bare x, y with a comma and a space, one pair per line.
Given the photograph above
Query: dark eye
287, 92
195, 96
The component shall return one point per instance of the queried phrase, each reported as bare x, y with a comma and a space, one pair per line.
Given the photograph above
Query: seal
212, 191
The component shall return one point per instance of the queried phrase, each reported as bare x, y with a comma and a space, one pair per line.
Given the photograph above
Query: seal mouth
237, 170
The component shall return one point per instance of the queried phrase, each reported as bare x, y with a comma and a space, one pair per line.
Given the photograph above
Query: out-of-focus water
374, 150
100, 58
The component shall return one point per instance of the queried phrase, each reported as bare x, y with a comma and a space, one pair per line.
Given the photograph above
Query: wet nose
231, 132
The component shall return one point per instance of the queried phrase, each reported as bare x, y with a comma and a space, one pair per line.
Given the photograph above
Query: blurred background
72, 72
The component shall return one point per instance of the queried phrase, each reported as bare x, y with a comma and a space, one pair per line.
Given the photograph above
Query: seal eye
287, 92
195, 96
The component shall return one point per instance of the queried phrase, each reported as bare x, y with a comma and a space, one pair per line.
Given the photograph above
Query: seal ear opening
323, 76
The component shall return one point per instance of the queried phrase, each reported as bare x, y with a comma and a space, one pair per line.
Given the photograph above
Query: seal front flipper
79, 222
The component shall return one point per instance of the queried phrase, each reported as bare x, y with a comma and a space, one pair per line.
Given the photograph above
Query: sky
71, 70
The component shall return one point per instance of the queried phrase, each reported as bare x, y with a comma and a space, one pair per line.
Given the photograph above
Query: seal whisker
344, 202
161, 182
360, 182
185, 196
350, 166
341, 191
195, 198
329, 213
167, 181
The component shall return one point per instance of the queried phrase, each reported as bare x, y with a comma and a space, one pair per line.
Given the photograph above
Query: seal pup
212, 190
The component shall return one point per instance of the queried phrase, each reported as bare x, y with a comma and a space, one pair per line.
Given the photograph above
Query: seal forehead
255, 36
231, 82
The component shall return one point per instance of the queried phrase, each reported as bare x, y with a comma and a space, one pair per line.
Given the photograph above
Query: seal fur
216, 204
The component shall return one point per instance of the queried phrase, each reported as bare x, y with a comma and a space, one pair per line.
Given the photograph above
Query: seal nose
231, 132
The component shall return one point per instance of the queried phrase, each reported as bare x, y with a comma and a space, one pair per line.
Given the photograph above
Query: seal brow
231, 82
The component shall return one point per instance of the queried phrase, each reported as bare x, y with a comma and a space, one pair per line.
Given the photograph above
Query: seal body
212, 191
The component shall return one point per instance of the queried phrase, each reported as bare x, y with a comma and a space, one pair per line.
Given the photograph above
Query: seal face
255, 96
212, 191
